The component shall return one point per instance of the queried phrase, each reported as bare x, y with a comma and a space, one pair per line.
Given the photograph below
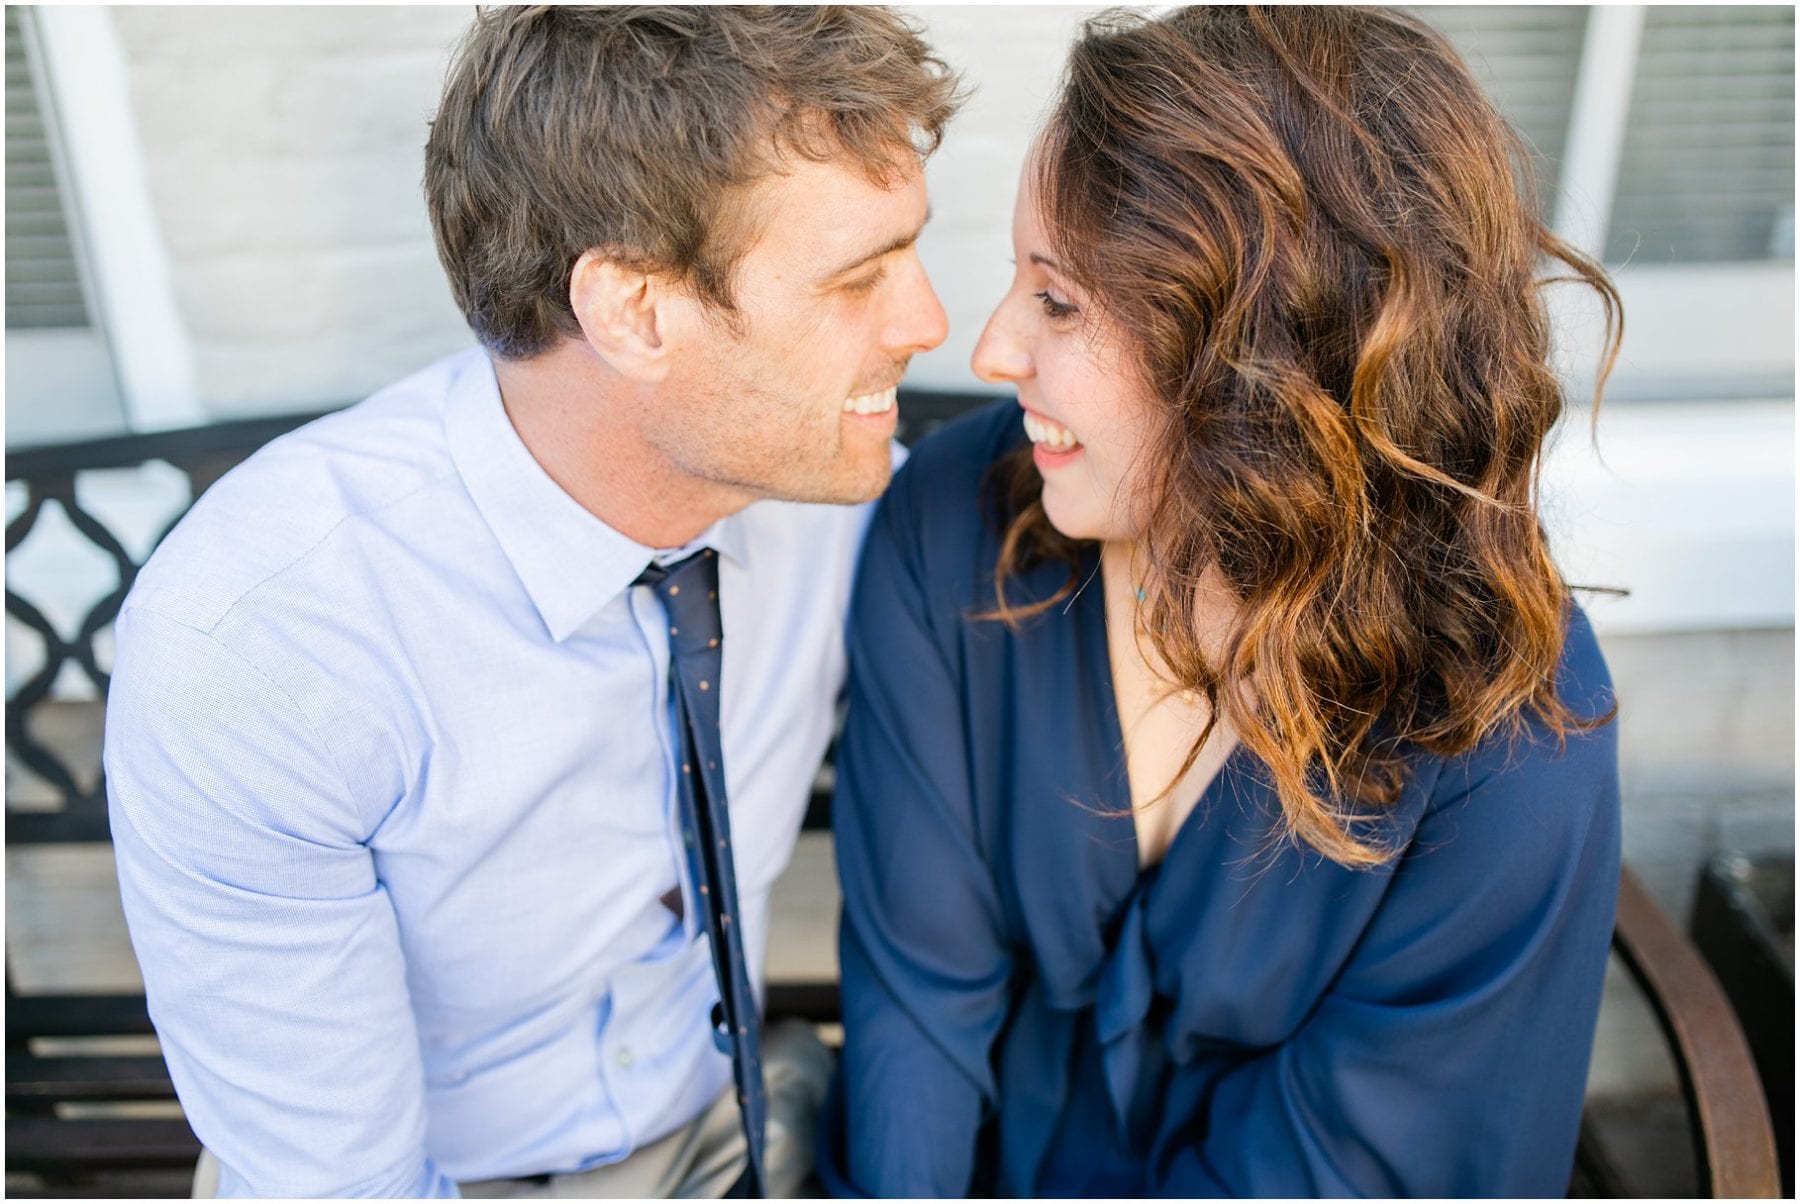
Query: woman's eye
1055, 308
867, 283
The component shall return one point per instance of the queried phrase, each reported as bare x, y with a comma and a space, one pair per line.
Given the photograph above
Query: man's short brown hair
563, 129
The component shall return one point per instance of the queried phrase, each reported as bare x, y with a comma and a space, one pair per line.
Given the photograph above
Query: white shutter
1707, 169
43, 282
1526, 58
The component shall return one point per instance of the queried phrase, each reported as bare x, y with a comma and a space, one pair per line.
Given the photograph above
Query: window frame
132, 299
1690, 506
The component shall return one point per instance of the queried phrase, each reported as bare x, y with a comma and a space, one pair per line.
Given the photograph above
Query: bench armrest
1734, 1142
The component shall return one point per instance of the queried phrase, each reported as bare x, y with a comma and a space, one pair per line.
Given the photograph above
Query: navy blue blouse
1026, 1013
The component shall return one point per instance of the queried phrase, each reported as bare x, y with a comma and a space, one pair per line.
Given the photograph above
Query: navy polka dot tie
689, 590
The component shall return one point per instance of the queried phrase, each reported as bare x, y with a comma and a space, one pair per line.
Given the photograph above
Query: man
402, 734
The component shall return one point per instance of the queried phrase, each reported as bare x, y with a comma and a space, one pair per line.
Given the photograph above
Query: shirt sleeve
923, 960
1450, 1057
269, 948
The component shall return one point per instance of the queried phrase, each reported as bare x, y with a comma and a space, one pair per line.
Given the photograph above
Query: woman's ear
621, 309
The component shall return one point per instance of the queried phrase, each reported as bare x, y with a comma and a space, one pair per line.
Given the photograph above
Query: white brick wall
285, 149
1012, 58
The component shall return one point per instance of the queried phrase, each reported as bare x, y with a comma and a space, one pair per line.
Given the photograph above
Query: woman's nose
1000, 355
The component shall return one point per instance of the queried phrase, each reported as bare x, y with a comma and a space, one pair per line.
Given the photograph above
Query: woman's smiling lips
1053, 444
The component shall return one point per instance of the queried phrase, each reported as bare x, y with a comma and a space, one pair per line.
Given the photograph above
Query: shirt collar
571, 563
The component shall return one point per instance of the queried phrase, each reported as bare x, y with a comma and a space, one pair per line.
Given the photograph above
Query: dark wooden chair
1728, 1118
76, 1092
1743, 924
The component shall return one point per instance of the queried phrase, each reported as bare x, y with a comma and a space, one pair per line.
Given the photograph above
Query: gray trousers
698, 1161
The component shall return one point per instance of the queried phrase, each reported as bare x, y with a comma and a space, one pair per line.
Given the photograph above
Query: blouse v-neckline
1089, 608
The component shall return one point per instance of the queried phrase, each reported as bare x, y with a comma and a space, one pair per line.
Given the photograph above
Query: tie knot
689, 590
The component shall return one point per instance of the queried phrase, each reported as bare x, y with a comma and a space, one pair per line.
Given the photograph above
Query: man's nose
919, 322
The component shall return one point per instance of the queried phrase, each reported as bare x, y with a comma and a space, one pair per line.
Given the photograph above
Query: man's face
798, 402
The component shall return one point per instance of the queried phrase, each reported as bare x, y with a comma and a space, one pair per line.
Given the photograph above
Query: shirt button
623, 1057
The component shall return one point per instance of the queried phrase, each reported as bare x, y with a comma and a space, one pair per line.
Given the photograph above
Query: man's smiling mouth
872, 403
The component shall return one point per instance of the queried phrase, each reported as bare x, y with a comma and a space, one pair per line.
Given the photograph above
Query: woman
1228, 803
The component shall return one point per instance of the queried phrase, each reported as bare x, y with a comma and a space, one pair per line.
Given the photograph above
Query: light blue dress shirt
391, 767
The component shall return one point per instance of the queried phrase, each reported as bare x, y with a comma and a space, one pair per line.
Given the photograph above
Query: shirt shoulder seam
300, 557
211, 637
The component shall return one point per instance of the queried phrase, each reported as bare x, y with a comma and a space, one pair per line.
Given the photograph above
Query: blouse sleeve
1450, 1057
924, 963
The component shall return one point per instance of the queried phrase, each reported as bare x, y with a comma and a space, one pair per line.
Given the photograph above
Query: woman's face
1087, 419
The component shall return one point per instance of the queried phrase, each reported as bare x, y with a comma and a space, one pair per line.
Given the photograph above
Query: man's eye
1055, 308
867, 283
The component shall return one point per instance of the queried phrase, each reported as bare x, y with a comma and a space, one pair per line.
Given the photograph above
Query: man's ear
622, 311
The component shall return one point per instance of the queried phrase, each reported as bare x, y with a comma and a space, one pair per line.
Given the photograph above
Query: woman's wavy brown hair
1321, 244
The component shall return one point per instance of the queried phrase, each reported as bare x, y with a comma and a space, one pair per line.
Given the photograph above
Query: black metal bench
82, 1069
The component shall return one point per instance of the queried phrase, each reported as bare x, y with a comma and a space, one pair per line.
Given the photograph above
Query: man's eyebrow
896, 244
